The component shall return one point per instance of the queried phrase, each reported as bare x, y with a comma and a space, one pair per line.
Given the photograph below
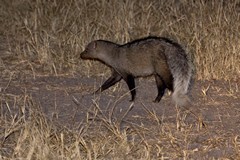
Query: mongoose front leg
115, 77
131, 85
161, 88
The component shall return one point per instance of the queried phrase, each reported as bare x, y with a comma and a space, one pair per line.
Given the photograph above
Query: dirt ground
69, 101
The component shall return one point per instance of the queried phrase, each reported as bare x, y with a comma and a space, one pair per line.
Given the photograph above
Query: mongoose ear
95, 45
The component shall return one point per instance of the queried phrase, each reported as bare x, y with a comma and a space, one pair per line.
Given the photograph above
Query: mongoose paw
98, 91
132, 100
156, 100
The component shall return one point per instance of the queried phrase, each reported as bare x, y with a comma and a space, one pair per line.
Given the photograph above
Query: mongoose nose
79, 55
84, 55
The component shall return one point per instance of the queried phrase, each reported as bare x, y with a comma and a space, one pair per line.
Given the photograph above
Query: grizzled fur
157, 56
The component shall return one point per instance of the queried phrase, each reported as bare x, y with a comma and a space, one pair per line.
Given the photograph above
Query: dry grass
27, 134
46, 37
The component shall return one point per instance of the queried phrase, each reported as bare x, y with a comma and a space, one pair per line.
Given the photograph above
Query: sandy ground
69, 101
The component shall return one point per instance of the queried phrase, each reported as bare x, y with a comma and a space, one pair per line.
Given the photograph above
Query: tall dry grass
47, 36
26, 133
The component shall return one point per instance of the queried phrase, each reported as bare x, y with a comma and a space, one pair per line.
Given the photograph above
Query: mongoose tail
181, 68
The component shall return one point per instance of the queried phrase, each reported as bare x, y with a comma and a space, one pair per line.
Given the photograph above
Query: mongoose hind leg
161, 88
115, 77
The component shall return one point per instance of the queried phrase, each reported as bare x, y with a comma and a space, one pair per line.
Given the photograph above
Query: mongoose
157, 56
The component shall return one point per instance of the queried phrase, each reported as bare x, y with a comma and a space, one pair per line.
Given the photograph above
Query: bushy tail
179, 96
181, 68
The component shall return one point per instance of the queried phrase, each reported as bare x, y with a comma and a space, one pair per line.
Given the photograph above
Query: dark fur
157, 56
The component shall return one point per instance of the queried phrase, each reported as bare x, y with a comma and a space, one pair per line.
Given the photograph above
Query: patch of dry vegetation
46, 37
26, 133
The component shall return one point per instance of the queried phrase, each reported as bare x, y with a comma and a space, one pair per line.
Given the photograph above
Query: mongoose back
157, 56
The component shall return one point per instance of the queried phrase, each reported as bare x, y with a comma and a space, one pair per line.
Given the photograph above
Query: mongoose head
99, 50
90, 51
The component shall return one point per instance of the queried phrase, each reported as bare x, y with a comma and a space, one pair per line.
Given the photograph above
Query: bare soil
69, 101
